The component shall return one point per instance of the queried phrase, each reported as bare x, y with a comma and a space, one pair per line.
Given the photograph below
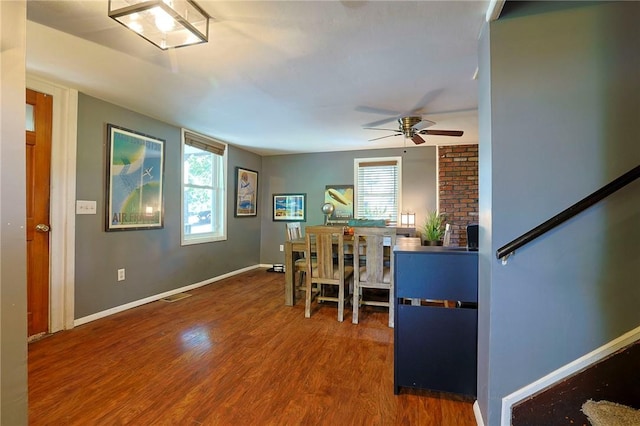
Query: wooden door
38, 155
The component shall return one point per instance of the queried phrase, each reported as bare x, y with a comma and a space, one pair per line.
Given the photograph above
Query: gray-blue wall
559, 114
310, 173
154, 260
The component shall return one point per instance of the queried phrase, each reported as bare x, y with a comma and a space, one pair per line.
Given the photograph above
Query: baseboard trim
155, 297
565, 371
478, 414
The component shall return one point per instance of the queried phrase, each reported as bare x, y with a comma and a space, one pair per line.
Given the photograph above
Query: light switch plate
85, 207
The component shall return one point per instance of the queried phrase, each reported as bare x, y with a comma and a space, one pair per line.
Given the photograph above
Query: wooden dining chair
294, 232
326, 243
375, 271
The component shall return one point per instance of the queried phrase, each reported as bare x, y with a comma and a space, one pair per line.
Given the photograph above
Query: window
378, 184
204, 206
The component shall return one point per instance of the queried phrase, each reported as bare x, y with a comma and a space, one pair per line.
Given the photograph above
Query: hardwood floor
231, 354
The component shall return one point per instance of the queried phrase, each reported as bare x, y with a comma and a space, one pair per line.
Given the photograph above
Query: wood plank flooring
232, 354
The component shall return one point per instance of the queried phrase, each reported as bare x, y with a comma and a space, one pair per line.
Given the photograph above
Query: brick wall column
458, 188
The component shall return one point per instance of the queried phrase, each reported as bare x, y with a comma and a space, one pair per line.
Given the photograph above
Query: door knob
41, 227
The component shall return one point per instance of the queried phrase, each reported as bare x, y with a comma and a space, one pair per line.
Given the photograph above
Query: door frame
62, 207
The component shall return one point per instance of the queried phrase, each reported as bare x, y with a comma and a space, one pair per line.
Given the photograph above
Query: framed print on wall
246, 193
290, 207
341, 196
134, 180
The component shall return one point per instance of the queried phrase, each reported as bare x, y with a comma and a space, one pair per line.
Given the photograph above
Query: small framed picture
341, 196
290, 207
246, 193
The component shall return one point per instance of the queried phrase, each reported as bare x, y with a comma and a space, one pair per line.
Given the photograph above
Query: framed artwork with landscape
135, 167
246, 193
290, 207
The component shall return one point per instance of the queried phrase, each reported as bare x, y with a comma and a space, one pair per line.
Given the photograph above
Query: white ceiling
277, 77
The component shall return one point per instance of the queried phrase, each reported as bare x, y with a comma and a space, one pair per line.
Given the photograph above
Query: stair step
615, 378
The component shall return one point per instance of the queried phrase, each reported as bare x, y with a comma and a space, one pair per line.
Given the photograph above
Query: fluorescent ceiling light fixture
166, 23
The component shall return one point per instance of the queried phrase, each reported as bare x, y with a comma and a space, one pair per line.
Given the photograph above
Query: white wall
13, 262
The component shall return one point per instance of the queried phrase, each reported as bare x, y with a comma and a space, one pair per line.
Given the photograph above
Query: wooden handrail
506, 250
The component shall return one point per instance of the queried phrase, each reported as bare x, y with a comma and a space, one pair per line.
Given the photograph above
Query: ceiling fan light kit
167, 24
406, 125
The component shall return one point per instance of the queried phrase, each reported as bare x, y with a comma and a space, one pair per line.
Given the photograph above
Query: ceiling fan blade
378, 128
423, 125
442, 132
374, 110
379, 122
423, 102
417, 139
388, 136
393, 115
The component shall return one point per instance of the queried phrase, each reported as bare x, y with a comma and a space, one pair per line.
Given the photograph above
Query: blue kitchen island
436, 319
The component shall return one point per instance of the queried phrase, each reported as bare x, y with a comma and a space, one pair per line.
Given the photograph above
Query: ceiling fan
412, 127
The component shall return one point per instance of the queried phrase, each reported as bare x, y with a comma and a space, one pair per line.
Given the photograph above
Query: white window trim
356, 165
206, 238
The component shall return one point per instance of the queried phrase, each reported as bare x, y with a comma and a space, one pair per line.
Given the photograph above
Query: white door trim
62, 207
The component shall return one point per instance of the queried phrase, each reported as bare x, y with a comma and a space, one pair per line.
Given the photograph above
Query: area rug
605, 413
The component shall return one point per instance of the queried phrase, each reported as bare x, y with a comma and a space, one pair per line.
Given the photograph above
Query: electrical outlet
120, 274
281, 247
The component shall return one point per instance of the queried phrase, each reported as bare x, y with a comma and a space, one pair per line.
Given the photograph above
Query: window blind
204, 143
378, 188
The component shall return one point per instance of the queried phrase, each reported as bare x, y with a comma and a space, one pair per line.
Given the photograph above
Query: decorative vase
432, 243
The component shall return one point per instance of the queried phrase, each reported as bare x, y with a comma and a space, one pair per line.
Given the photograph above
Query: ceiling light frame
167, 24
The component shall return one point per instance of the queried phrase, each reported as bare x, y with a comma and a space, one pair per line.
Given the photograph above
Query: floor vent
175, 297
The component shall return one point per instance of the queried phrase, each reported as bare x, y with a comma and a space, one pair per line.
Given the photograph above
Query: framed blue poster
134, 180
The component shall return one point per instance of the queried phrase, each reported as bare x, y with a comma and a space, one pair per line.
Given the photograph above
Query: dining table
294, 249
